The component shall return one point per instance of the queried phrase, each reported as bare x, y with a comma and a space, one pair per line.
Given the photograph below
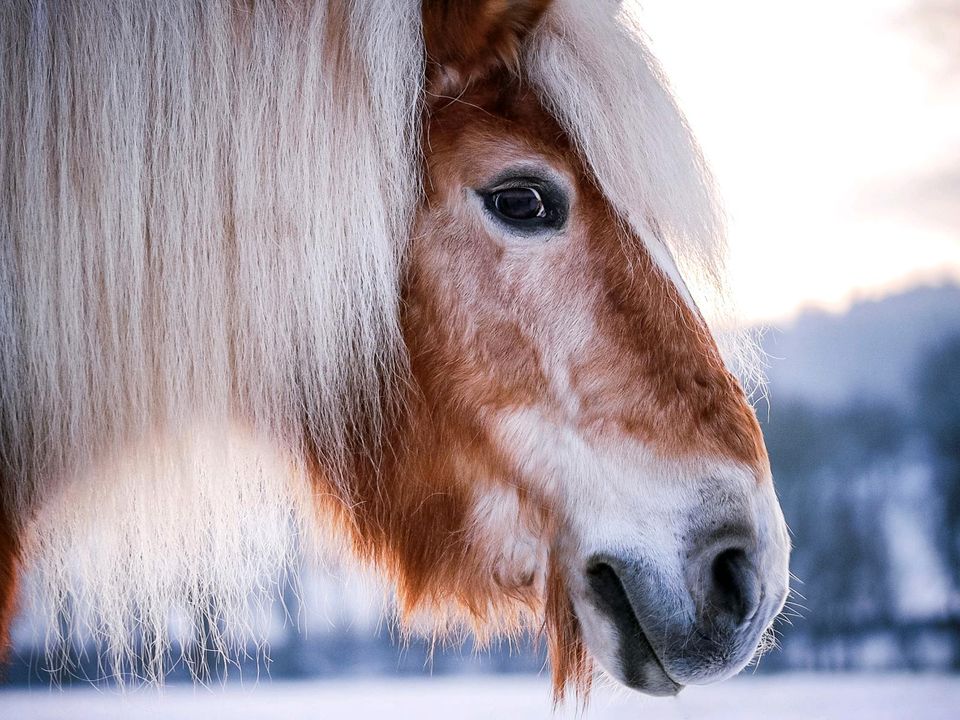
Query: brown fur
9, 573
571, 664
465, 39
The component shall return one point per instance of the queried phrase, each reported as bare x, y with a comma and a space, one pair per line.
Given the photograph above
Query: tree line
843, 476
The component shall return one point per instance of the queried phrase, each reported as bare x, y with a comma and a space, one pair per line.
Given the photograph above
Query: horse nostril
735, 588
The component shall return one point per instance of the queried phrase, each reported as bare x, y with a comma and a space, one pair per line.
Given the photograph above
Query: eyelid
513, 183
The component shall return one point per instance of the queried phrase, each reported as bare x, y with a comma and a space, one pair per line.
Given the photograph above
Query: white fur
162, 529
651, 507
201, 228
512, 542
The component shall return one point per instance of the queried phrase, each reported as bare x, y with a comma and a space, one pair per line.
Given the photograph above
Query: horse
441, 282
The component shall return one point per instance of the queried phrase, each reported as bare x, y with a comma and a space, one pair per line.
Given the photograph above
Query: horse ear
466, 39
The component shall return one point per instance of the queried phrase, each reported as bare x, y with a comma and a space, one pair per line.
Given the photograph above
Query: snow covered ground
785, 697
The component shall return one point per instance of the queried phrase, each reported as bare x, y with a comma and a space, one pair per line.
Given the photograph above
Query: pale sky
828, 124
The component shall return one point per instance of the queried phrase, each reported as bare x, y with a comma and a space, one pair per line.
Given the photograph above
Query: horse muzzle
657, 626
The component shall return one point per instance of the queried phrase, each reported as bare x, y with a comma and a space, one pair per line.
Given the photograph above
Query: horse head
571, 438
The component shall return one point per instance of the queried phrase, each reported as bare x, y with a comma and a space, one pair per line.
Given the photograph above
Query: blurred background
834, 131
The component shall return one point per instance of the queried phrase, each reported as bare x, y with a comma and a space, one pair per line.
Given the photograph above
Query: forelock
593, 69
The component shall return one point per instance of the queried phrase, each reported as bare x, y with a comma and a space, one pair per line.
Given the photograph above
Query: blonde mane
202, 216
204, 208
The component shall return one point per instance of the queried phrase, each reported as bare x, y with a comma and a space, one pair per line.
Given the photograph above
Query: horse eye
527, 208
522, 203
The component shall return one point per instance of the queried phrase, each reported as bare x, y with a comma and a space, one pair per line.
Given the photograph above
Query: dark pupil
519, 204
